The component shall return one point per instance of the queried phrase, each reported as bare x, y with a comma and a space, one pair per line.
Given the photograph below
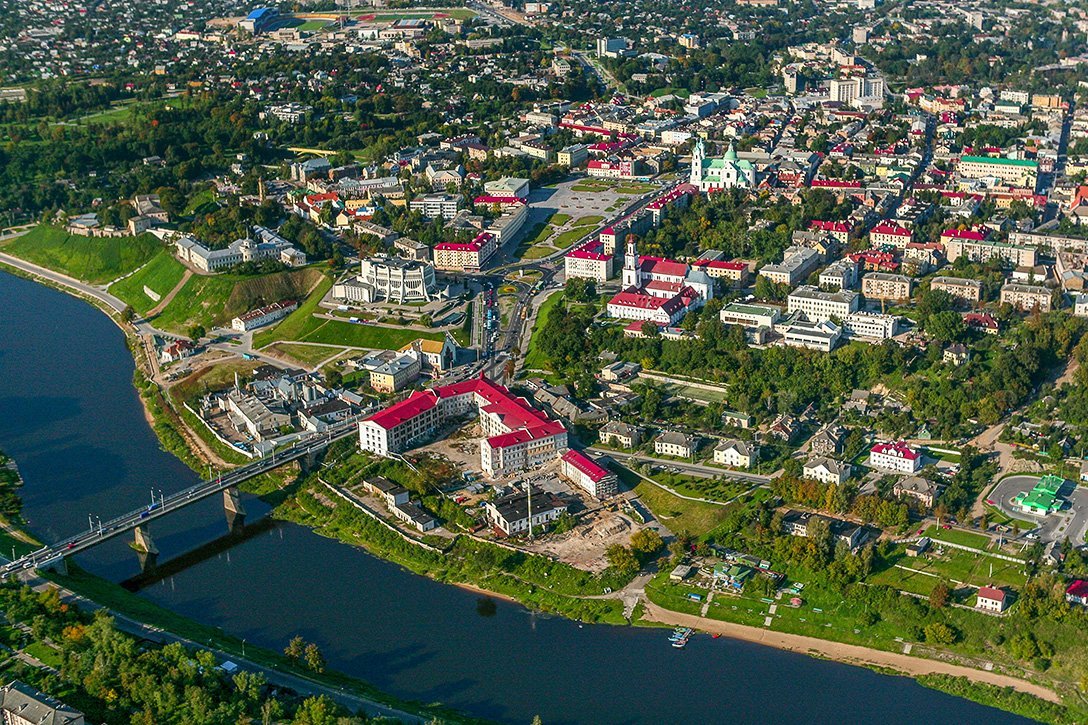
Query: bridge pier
58, 564
308, 462
146, 550
232, 506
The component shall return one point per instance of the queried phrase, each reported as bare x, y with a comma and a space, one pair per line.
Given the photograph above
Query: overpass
53, 556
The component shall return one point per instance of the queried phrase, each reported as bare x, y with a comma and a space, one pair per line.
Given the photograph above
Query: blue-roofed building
260, 20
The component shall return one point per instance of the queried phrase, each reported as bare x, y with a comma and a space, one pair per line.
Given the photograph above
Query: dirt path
848, 653
170, 295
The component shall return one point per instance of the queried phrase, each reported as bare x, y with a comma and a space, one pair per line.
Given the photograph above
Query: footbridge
137, 522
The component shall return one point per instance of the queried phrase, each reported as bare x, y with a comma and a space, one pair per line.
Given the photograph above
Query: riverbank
845, 653
497, 580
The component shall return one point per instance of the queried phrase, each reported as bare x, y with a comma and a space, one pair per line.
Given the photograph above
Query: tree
333, 378
196, 332
128, 314
646, 542
938, 598
621, 559
946, 326
314, 659
939, 633
296, 648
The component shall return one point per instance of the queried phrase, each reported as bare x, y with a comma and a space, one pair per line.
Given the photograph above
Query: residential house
991, 599
797, 523
509, 514
897, 457
21, 704
736, 453
920, 489
618, 433
826, 470
674, 443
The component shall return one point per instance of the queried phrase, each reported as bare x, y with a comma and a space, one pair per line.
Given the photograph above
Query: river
71, 418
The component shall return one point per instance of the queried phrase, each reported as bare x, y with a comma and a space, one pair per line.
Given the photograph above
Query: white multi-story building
389, 278
589, 475
823, 336
735, 453
266, 245
819, 305
433, 206
896, 456
673, 443
967, 290
517, 435
465, 256
736, 313
842, 273
589, 261
870, 325
796, 265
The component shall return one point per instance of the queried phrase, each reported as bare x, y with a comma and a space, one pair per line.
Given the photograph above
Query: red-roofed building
982, 321
465, 256
896, 456
1077, 593
991, 599
631, 304
587, 473
890, 234
735, 272
611, 169
518, 436
838, 230
590, 261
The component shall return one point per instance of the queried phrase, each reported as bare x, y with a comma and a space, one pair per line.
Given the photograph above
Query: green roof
1043, 498
1027, 163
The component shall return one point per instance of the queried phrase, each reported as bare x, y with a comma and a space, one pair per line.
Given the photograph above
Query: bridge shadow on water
210, 550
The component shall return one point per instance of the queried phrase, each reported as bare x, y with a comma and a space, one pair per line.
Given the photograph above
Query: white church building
728, 172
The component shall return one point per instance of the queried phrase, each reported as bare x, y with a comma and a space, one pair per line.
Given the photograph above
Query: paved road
1070, 523
697, 469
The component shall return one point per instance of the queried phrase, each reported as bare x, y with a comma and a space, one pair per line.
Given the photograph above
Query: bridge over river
137, 521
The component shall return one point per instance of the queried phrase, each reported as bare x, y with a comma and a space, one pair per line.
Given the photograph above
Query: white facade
735, 454
826, 470
819, 305
896, 457
870, 324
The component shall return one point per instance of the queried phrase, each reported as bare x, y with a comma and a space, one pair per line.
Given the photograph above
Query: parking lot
1069, 523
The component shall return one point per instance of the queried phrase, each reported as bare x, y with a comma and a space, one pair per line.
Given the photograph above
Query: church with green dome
728, 172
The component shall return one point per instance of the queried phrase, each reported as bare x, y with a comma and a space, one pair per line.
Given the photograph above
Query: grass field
963, 538
537, 252
534, 358
589, 221
215, 300
309, 356
568, 238
679, 514
91, 259
311, 25
922, 573
160, 275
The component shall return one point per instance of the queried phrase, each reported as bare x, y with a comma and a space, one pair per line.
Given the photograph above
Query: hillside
91, 259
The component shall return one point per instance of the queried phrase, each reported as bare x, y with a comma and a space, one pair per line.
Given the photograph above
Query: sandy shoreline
846, 653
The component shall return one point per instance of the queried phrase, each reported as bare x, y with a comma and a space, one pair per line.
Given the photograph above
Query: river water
71, 418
